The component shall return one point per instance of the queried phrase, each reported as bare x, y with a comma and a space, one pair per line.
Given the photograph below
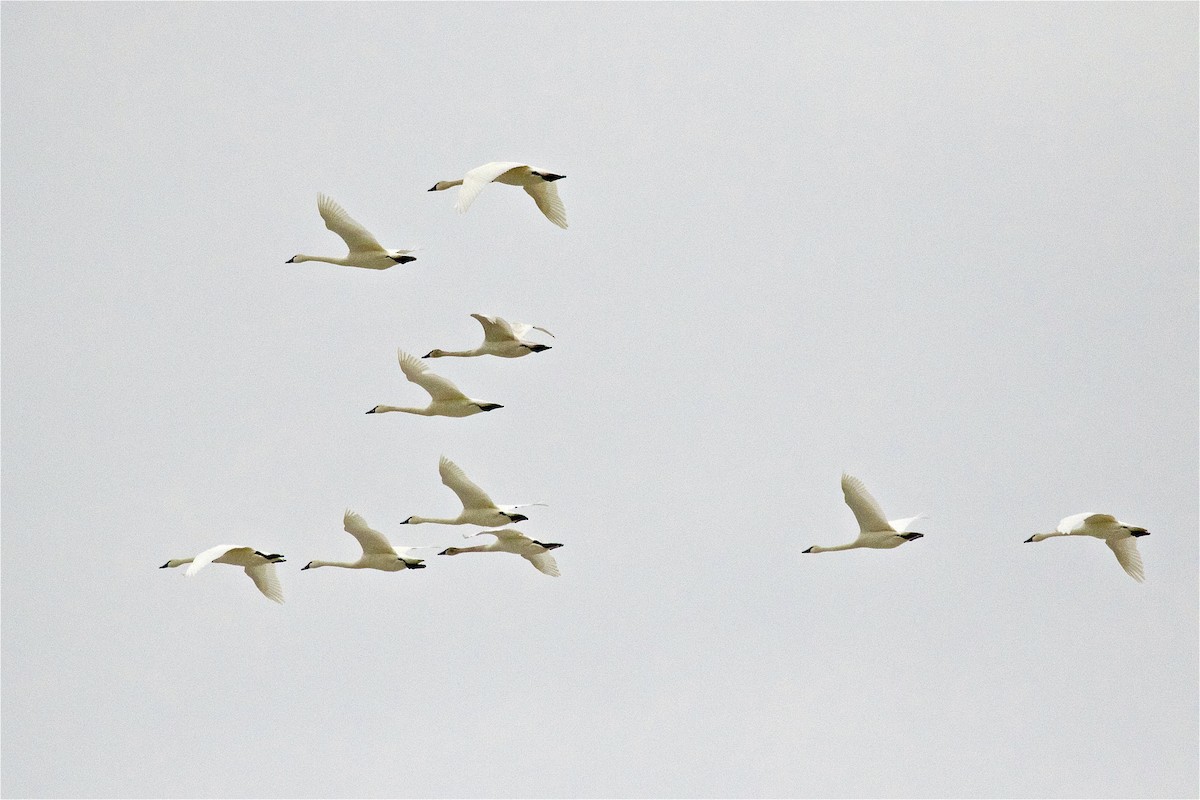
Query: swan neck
422, 411
344, 565
420, 520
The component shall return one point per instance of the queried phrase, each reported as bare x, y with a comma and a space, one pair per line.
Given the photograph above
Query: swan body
478, 508
1120, 538
875, 530
445, 398
513, 541
537, 183
365, 249
259, 566
500, 338
377, 551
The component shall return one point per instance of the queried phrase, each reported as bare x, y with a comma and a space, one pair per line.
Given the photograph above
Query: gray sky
949, 248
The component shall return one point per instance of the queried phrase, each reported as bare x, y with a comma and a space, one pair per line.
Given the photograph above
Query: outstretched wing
213, 553
545, 563
901, 525
372, 541
546, 196
1128, 556
520, 329
476, 179
495, 329
866, 510
468, 493
357, 238
266, 580
438, 387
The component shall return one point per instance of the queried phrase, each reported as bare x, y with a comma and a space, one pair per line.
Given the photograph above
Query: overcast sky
948, 248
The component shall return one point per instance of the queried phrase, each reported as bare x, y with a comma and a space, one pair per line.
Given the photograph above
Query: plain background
949, 248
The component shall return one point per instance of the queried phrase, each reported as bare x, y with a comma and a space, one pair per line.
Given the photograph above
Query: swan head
168, 564
296, 259
435, 353
450, 551
489, 406
812, 549
374, 410
442, 186
307, 566
1037, 537
908, 537
407, 521
516, 517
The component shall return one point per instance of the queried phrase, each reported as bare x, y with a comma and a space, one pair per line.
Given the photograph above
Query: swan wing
476, 179
267, 581
866, 509
357, 238
901, 525
468, 493
495, 329
438, 387
213, 553
545, 194
1128, 556
521, 328
545, 563
373, 542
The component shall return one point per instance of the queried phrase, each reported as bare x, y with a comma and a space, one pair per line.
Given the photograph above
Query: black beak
164, 566
516, 517
434, 189
1030, 539
306, 566
416, 566
404, 259
427, 355
538, 348
1139, 533
809, 550
372, 411
445, 552
548, 545
406, 521
291, 260
911, 536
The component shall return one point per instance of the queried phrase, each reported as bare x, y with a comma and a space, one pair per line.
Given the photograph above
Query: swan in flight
1121, 538
365, 249
478, 508
512, 541
500, 338
377, 551
876, 531
539, 184
259, 566
445, 398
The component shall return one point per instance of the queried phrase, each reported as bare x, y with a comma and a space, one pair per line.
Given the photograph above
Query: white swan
377, 551
876, 531
512, 541
365, 249
259, 566
1121, 538
445, 398
500, 338
539, 185
478, 508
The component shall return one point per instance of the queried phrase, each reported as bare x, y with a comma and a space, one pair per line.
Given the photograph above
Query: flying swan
876, 531
445, 398
1120, 538
539, 185
365, 249
500, 338
259, 566
377, 551
478, 508
512, 541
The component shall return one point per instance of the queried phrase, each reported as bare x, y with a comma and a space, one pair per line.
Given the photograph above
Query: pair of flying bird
378, 553
878, 532
365, 250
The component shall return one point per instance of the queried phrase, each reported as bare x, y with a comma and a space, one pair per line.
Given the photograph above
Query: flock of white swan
507, 340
